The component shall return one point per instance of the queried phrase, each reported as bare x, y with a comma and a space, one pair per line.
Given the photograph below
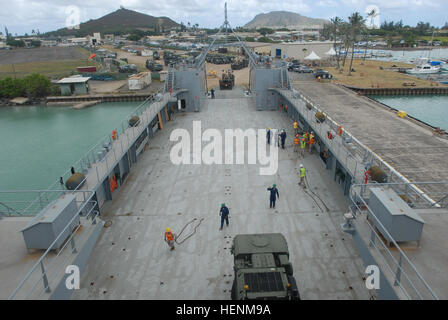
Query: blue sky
22, 16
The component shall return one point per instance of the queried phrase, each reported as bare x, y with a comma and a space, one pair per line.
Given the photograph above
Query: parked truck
262, 268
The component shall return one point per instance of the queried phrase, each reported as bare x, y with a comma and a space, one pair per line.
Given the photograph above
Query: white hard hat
301, 166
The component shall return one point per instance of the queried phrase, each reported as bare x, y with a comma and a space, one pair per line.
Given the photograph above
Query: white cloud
25, 15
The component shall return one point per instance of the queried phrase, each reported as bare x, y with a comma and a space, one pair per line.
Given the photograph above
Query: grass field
436, 38
51, 69
368, 74
47, 61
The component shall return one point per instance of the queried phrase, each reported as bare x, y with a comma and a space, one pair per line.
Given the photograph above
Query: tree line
32, 86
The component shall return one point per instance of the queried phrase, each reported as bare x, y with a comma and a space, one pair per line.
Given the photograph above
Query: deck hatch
264, 281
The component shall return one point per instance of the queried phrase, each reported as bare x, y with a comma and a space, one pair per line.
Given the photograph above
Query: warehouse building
74, 85
299, 50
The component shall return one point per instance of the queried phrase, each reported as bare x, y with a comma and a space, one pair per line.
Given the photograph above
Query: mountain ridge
283, 19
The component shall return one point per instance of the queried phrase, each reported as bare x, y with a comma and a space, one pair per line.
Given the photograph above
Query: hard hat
223, 205
274, 185
301, 166
168, 229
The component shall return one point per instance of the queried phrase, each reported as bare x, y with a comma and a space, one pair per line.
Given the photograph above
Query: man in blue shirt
274, 195
224, 213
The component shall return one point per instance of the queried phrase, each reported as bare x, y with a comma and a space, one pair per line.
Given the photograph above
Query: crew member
268, 136
274, 195
302, 147
169, 238
311, 142
283, 138
224, 213
296, 143
295, 125
302, 175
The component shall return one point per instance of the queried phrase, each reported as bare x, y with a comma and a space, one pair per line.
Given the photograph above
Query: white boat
424, 67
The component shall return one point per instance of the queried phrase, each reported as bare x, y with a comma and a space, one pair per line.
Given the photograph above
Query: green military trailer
262, 268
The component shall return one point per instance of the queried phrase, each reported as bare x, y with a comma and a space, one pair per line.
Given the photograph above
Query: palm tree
344, 28
335, 24
371, 15
356, 24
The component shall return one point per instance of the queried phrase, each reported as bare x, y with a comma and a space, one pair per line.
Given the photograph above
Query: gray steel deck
131, 260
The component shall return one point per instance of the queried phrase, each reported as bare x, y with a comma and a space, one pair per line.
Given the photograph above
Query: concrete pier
412, 149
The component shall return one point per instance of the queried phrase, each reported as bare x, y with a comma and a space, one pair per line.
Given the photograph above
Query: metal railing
95, 163
395, 263
50, 266
353, 154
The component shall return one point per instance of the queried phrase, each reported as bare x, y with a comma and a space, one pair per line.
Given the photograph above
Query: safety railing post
97, 174
72, 243
398, 274
372, 238
44, 278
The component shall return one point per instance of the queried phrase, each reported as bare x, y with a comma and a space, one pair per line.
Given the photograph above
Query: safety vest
296, 141
302, 172
303, 144
311, 139
169, 236
295, 124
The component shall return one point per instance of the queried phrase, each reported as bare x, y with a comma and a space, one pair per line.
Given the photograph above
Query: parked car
293, 66
323, 74
303, 69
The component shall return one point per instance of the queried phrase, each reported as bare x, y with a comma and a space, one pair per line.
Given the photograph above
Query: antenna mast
226, 23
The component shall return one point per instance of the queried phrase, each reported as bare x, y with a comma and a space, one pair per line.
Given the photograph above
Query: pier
412, 149
436, 90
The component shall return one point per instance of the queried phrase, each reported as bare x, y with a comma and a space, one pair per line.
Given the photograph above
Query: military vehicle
152, 66
128, 68
239, 64
227, 81
262, 268
155, 55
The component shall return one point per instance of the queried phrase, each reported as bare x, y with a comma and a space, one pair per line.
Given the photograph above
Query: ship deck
132, 261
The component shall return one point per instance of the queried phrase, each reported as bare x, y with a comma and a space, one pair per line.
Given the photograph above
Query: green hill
118, 22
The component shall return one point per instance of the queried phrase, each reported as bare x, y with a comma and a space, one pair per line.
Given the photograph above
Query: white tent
312, 56
331, 52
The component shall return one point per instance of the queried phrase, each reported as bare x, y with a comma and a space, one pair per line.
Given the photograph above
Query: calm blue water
407, 56
38, 144
432, 110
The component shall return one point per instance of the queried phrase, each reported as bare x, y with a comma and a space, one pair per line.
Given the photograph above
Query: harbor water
39, 143
432, 110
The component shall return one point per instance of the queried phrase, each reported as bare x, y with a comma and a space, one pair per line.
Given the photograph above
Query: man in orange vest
169, 238
296, 143
311, 142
